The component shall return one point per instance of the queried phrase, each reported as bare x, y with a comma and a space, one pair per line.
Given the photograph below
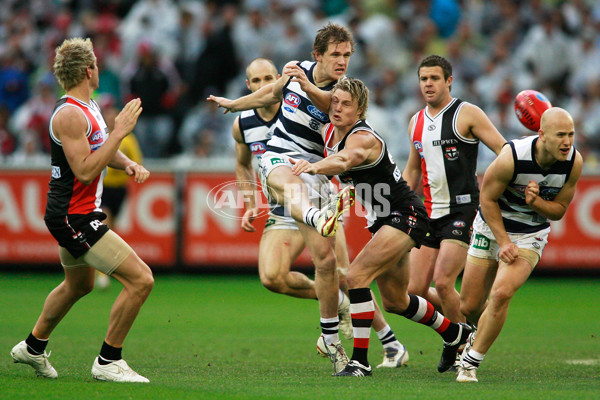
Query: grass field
225, 337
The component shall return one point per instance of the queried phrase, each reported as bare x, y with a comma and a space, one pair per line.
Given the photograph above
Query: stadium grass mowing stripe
226, 337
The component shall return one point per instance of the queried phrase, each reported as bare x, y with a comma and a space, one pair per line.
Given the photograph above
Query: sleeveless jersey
256, 132
379, 185
448, 161
298, 128
66, 194
517, 216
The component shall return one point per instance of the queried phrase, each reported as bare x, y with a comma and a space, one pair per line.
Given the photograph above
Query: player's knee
274, 284
443, 286
81, 289
325, 262
501, 295
144, 283
469, 308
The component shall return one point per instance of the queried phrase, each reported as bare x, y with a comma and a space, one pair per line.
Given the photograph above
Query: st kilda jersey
256, 132
448, 161
66, 194
379, 185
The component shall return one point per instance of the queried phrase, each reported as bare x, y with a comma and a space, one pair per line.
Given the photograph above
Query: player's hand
222, 102
127, 118
248, 218
531, 192
300, 166
297, 74
139, 173
508, 253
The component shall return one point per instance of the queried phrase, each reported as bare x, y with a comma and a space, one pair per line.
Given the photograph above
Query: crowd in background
172, 54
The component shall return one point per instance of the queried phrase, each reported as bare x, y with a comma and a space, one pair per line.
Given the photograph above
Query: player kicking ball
395, 216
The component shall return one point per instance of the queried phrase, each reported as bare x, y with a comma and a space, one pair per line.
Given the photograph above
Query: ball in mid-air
529, 107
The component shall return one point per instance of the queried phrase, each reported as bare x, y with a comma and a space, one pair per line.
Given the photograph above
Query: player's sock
109, 354
474, 358
362, 310
340, 297
35, 346
422, 311
330, 329
310, 216
387, 338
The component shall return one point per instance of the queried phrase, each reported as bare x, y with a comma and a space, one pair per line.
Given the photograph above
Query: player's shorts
277, 220
77, 232
455, 226
106, 255
113, 197
319, 187
411, 220
484, 245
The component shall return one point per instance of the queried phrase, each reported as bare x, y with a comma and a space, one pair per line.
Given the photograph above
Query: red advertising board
148, 227
574, 241
210, 231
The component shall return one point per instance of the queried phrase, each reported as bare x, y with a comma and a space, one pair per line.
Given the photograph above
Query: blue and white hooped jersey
517, 216
256, 132
298, 128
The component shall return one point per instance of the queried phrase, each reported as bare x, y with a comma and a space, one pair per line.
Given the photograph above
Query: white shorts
275, 222
319, 187
484, 245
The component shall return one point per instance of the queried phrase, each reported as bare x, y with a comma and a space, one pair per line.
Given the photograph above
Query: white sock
387, 338
340, 297
474, 358
310, 216
329, 329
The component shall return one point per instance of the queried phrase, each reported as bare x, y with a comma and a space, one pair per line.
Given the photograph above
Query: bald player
531, 183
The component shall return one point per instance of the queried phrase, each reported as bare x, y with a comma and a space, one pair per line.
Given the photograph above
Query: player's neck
320, 77
80, 92
542, 157
267, 113
434, 108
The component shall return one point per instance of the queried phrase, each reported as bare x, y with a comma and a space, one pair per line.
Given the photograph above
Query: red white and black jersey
66, 194
379, 186
448, 161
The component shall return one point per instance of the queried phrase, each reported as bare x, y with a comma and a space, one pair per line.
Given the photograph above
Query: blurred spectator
32, 119
14, 90
206, 131
156, 82
7, 140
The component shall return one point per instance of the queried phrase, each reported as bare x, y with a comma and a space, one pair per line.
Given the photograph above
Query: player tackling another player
530, 183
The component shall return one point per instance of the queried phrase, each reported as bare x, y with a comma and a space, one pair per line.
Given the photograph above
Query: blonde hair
72, 58
358, 91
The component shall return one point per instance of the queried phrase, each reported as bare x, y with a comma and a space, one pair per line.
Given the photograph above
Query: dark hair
331, 33
437, 61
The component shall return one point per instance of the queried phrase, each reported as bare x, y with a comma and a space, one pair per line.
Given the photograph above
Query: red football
529, 107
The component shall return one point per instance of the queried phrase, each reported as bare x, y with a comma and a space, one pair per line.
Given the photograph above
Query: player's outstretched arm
358, 149
555, 209
263, 97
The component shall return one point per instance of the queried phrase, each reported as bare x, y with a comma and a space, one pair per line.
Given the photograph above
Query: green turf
215, 337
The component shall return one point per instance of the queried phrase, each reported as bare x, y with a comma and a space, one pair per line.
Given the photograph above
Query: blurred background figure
116, 181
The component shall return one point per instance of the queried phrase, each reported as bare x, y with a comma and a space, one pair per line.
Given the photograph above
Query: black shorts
457, 225
112, 198
77, 232
411, 220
